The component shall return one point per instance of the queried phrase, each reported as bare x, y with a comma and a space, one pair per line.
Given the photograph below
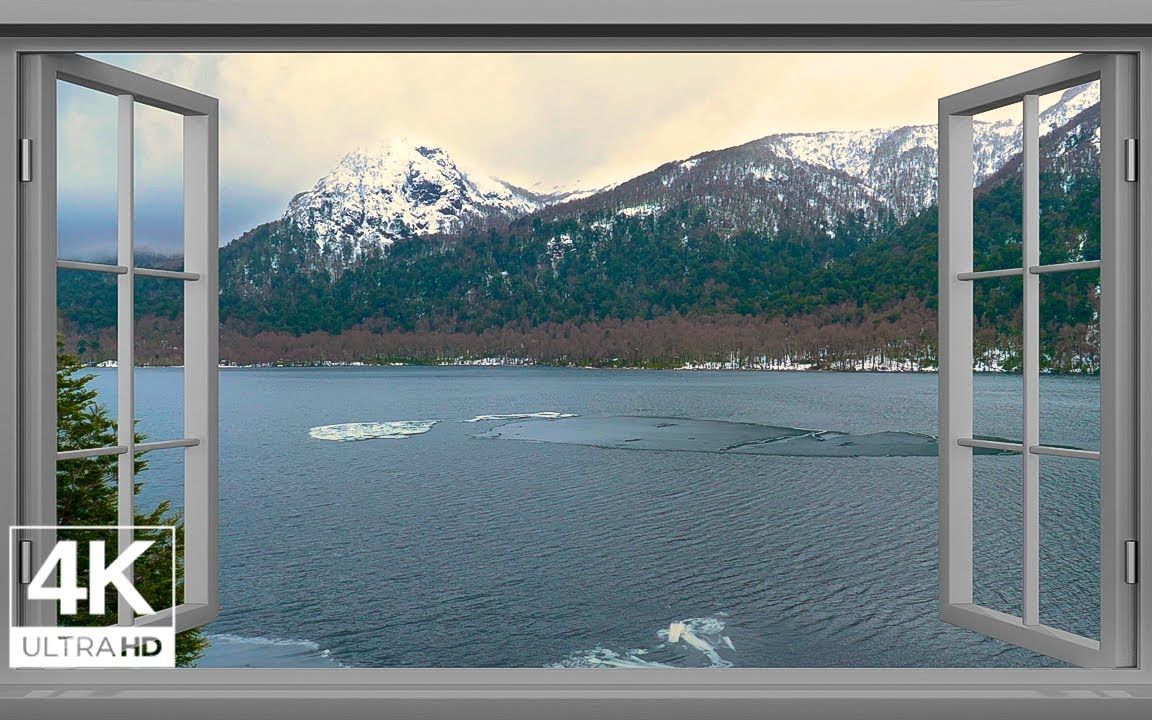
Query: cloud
537, 120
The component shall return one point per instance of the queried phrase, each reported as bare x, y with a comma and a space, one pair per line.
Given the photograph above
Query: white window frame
529, 693
1117, 454
40, 75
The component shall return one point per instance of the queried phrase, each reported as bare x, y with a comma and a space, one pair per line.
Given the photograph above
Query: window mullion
1031, 307
125, 338
201, 360
955, 358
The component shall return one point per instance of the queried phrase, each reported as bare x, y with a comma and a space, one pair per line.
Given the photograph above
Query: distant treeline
842, 337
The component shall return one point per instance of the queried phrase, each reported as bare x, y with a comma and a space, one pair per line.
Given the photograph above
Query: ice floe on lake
695, 642
394, 430
719, 436
545, 415
235, 651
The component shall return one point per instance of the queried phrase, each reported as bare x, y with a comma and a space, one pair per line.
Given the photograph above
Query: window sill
940, 702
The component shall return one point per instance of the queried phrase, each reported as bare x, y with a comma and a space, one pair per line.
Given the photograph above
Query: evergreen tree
86, 495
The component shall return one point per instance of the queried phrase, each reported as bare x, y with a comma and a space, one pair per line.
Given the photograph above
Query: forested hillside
741, 258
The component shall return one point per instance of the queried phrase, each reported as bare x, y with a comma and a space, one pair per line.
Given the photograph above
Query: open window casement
1116, 456
40, 76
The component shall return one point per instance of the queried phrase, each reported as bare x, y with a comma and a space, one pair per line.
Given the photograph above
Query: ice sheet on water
694, 642
392, 430
718, 436
234, 651
546, 415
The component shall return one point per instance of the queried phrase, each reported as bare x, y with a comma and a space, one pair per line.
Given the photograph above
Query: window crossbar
1018, 448
90, 452
166, 444
167, 274
990, 445
123, 270
1064, 452
91, 267
985, 274
122, 449
1032, 270
1064, 267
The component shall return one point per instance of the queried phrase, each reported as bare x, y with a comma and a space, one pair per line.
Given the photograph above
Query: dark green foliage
86, 495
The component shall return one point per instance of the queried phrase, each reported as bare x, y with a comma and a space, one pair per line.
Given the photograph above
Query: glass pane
154, 572
86, 491
161, 480
1070, 359
159, 322
1070, 175
159, 402
160, 502
1070, 545
997, 532
86, 383
159, 188
997, 387
85, 174
86, 314
997, 201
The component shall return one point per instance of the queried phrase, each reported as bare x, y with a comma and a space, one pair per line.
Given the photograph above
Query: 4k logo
146, 642
100, 576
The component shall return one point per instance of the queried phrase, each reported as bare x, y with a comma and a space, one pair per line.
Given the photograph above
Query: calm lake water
447, 549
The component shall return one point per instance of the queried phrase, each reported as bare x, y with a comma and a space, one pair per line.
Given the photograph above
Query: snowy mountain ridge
881, 157
398, 189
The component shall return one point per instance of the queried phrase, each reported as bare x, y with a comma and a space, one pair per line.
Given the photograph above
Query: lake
633, 535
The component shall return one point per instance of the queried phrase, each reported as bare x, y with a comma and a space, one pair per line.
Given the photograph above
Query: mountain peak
400, 147
399, 188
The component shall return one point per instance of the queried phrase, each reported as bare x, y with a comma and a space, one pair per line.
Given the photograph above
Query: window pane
160, 501
1070, 359
85, 174
86, 491
159, 403
159, 351
86, 377
159, 188
997, 532
1070, 545
153, 572
1070, 175
997, 202
997, 387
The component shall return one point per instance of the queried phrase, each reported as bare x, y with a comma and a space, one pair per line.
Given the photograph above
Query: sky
541, 121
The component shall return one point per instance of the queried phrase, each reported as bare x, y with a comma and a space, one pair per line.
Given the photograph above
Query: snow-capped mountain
354, 246
898, 165
837, 184
400, 189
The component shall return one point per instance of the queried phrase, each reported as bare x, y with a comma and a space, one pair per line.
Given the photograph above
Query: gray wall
577, 11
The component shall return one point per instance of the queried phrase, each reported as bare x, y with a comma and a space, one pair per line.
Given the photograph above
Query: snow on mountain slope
400, 189
899, 164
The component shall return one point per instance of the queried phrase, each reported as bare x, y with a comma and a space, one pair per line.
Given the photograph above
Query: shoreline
986, 370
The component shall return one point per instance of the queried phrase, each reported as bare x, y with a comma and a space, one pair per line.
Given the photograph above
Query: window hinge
1130, 160
25, 562
1130, 562
25, 159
